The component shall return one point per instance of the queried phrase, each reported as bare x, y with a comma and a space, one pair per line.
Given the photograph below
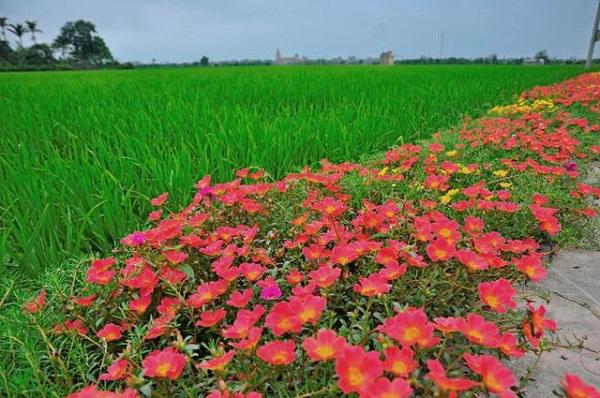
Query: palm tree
33, 29
3, 25
17, 30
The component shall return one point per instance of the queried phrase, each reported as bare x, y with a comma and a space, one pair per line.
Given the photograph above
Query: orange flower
118, 370
217, 363
498, 295
327, 345
410, 327
168, 363
357, 369
496, 377
278, 352
110, 332
576, 388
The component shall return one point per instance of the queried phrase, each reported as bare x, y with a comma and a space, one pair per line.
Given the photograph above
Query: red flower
210, 318
252, 271
37, 304
325, 346
531, 265
240, 299
508, 345
160, 199
325, 276
85, 301
283, 318
438, 375
373, 285
110, 332
535, 325
496, 377
100, 272
330, 207
479, 331
168, 363
308, 308
217, 363
93, 392
357, 369
175, 257
471, 260
141, 304
498, 295
278, 352
410, 327
294, 277
400, 362
118, 370
435, 182
384, 388
440, 250
576, 388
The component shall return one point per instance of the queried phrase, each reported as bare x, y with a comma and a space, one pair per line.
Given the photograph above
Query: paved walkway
573, 288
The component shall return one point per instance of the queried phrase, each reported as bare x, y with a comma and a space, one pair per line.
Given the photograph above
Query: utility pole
594, 38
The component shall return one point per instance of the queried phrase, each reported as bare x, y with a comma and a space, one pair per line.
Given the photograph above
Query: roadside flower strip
396, 277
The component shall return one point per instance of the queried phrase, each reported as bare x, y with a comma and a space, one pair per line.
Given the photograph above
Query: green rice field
82, 152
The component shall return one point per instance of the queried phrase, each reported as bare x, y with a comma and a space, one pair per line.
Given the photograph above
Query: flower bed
393, 277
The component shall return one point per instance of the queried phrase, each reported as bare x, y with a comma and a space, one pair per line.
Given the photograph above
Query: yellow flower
506, 184
445, 199
501, 173
383, 171
452, 153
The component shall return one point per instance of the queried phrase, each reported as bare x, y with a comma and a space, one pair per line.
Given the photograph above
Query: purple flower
571, 166
271, 292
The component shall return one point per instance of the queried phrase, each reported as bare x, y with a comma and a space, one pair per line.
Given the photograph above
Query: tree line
77, 46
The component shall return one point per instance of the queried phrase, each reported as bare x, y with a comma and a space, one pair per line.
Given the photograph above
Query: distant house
295, 60
386, 58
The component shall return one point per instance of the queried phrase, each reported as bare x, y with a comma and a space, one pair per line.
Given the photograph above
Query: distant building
534, 61
386, 58
295, 60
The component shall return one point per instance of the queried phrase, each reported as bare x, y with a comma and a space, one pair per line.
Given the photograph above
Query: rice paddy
82, 152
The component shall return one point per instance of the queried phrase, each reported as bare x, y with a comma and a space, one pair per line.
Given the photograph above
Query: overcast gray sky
184, 30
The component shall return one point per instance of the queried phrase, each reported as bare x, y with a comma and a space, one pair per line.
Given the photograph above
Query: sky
185, 30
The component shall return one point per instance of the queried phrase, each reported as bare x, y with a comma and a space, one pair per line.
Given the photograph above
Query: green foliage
82, 43
82, 152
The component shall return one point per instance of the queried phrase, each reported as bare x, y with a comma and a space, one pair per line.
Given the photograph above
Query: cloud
184, 30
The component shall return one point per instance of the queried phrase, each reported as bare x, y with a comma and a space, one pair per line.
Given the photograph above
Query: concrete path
573, 290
